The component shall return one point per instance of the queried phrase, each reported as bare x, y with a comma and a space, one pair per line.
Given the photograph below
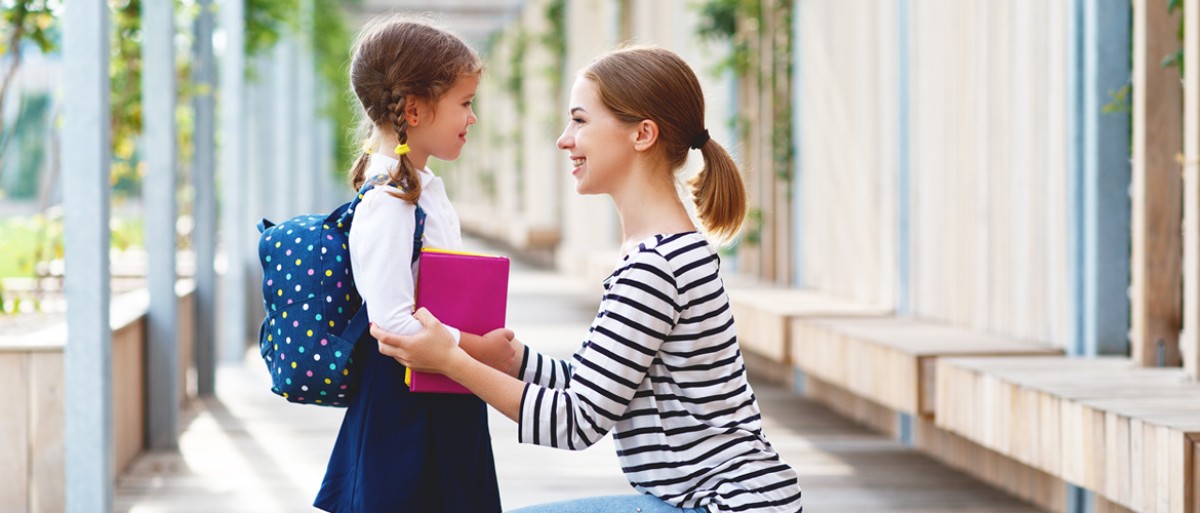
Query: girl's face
600, 145
442, 131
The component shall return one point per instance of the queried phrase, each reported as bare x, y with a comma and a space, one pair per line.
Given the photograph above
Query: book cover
468, 291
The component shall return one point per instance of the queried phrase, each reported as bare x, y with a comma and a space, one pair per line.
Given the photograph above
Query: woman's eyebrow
577, 109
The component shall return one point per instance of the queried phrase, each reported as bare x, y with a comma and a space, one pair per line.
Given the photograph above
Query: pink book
468, 291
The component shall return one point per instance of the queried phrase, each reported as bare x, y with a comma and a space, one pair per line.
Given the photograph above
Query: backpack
314, 312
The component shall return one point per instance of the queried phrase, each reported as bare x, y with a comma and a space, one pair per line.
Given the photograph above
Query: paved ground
248, 451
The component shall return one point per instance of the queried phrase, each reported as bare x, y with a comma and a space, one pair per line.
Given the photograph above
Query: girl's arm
381, 246
638, 313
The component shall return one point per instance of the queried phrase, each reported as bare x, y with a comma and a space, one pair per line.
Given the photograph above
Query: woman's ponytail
719, 193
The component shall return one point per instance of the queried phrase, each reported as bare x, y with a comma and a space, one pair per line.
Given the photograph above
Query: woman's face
600, 146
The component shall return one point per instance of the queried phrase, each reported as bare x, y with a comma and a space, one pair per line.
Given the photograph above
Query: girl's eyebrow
577, 109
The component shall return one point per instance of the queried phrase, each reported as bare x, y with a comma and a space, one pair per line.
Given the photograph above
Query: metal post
233, 161
305, 111
158, 101
204, 209
1100, 179
86, 162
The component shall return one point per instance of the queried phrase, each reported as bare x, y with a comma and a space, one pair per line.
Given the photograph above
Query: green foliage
1119, 100
125, 76
515, 85
1175, 59
555, 40
330, 37
332, 40
268, 20
719, 23
31, 20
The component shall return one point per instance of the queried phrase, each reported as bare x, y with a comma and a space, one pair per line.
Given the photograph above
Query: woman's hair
642, 82
395, 58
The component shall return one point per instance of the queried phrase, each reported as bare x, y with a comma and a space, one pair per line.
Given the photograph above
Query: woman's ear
646, 135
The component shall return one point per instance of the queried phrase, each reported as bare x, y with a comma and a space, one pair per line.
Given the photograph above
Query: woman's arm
610, 367
433, 350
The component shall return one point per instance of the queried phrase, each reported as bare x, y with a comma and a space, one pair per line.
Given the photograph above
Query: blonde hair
398, 57
645, 82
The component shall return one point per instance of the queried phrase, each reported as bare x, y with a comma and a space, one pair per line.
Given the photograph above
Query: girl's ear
646, 135
412, 110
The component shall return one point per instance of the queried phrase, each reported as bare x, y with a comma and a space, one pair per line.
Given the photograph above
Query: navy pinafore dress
403, 452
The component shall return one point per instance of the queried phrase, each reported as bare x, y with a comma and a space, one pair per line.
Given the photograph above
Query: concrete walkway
247, 450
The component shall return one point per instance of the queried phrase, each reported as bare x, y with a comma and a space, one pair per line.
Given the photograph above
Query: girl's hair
395, 58
644, 82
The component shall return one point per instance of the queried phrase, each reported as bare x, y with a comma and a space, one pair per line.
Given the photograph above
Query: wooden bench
32, 478
764, 316
1126, 432
891, 360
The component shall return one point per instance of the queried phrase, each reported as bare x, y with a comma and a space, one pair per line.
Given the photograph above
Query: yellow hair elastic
401, 149
367, 148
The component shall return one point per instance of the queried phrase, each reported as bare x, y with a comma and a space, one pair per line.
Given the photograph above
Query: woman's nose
564, 141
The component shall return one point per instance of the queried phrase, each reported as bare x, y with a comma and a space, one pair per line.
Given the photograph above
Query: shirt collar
383, 164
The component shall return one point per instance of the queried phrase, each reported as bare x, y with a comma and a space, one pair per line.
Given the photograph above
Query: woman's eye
577, 120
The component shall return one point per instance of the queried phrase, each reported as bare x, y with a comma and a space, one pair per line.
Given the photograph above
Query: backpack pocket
307, 363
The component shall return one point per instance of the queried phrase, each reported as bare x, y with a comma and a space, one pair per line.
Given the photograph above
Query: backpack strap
359, 323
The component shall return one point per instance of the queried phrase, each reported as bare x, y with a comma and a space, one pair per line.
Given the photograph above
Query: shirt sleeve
381, 245
639, 310
544, 371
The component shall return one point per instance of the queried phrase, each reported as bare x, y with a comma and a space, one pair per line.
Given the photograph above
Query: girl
398, 451
661, 365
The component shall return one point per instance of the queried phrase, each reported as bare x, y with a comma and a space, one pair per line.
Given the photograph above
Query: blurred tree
21, 21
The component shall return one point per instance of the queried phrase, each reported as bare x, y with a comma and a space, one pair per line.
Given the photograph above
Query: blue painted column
903, 174
798, 153
1099, 178
86, 161
204, 209
158, 197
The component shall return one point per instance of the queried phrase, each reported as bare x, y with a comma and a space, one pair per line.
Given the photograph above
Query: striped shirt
661, 368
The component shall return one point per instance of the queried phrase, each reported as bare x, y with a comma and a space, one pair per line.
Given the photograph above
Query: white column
233, 179
204, 210
88, 355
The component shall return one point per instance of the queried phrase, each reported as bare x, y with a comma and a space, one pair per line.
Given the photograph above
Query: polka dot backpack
314, 313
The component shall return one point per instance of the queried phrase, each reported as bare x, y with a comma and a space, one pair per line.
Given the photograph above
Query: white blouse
381, 244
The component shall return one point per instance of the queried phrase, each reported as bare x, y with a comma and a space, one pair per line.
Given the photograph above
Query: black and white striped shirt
662, 369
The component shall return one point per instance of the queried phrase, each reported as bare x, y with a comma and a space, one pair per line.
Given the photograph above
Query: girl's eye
577, 120
468, 103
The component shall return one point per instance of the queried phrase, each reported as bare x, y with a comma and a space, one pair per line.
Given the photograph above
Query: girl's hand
494, 348
430, 350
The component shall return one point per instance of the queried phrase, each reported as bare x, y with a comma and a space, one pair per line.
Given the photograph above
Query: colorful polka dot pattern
310, 298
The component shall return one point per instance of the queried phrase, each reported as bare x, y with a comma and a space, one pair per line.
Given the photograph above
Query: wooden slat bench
32, 427
891, 360
1126, 432
764, 316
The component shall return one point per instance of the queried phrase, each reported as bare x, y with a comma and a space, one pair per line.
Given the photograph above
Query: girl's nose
564, 141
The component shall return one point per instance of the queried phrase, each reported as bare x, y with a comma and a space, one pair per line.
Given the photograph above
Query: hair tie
367, 148
700, 140
401, 149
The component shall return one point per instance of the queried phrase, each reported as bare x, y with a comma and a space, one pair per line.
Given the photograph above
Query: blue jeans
611, 504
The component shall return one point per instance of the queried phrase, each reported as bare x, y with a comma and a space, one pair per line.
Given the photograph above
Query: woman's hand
433, 350
430, 350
